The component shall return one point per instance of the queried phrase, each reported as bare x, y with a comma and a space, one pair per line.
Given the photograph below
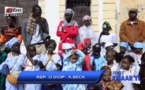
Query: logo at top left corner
13, 11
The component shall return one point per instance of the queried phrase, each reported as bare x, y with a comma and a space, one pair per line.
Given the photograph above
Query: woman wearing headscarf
86, 31
13, 64
67, 30
106, 37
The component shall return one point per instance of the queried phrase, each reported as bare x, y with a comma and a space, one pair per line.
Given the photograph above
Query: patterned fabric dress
7, 34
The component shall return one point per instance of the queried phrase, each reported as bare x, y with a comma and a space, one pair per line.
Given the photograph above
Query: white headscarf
134, 56
10, 43
72, 22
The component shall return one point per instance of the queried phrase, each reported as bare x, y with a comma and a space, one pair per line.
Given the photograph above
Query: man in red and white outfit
67, 30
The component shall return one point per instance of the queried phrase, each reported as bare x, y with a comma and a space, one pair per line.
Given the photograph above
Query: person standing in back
133, 29
35, 30
86, 31
67, 30
11, 30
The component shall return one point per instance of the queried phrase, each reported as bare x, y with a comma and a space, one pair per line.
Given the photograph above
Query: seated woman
11, 30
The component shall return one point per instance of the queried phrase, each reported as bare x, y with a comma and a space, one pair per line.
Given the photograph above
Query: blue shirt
77, 66
99, 62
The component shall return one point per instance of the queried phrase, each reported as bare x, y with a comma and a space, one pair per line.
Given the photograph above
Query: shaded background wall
113, 11
25, 4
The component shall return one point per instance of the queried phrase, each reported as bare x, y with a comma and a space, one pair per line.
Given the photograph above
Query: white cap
66, 46
108, 44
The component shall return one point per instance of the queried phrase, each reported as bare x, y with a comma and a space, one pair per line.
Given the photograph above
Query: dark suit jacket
44, 32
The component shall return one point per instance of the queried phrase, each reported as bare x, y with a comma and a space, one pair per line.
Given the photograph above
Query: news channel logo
13, 11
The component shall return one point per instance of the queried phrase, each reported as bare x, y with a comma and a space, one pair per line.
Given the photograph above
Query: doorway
81, 8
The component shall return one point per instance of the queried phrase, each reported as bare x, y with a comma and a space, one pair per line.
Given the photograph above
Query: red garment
86, 64
87, 40
81, 46
68, 36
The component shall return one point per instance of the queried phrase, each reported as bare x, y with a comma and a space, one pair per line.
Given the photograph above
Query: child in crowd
142, 72
106, 36
3, 56
32, 64
51, 62
124, 48
107, 83
88, 44
73, 62
111, 62
13, 63
108, 46
86, 31
138, 50
97, 61
86, 64
129, 70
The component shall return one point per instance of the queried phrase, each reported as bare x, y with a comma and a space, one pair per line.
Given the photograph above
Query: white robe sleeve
114, 38
93, 37
81, 34
97, 38
56, 59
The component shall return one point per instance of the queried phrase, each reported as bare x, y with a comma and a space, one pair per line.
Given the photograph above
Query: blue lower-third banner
61, 77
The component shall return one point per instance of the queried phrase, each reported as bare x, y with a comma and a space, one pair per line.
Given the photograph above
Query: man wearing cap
133, 29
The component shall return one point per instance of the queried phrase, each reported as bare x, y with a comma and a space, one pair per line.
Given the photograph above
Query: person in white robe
105, 36
111, 62
51, 62
86, 31
130, 70
14, 62
31, 64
